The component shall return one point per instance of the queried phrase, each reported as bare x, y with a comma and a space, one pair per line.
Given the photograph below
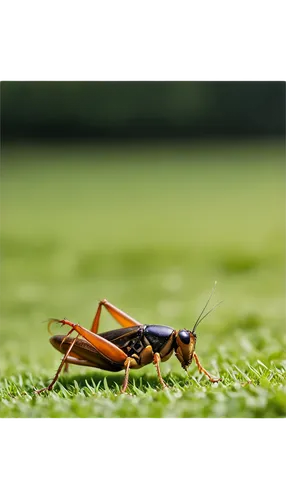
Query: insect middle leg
156, 361
121, 317
129, 363
203, 370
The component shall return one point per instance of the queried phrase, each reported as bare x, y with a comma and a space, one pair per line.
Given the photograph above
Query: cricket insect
131, 347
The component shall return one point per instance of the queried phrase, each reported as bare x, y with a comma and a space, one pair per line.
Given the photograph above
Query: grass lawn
151, 229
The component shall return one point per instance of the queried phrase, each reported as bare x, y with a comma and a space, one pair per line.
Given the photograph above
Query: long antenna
200, 318
214, 307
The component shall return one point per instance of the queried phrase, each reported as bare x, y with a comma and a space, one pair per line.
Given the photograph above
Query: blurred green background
144, 193
135, 110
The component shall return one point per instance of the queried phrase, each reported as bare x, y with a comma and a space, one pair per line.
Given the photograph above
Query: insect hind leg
51, 385
120, 316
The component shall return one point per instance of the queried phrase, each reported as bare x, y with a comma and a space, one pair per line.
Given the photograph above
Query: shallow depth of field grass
151, 229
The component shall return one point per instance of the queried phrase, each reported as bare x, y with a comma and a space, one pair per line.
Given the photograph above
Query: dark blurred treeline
134, 110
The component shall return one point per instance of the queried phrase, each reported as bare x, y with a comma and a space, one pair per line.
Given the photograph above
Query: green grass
150, 229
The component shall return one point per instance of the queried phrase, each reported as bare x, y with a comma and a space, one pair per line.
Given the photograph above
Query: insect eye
184, 336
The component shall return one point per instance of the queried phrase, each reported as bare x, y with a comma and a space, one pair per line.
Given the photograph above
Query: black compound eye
184, 336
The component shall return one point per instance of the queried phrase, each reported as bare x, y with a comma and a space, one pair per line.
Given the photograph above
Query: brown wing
85, 351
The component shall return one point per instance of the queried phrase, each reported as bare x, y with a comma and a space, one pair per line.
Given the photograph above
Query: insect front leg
121, 317
203, 370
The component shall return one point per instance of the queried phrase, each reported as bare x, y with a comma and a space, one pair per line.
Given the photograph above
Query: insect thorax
155, 336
